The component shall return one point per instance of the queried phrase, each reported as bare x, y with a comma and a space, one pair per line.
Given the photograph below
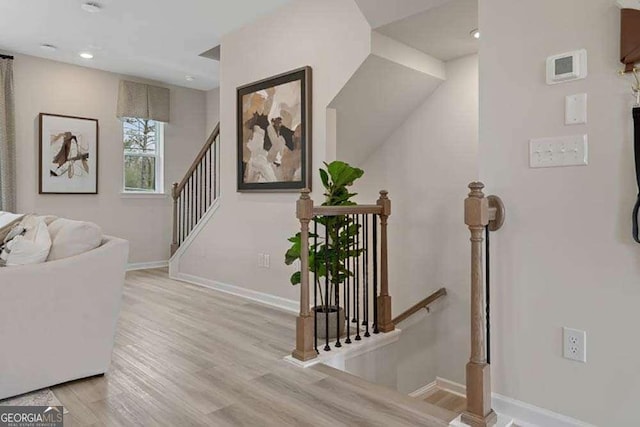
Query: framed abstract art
274, 133
68, 158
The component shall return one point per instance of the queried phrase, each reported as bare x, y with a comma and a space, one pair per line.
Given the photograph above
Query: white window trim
142, 195
159, 173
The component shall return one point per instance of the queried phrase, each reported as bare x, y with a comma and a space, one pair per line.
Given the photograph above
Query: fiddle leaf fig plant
331, 249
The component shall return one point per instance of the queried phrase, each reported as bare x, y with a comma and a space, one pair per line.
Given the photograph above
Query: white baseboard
523, 414
502, 421
268, 299
146, 265
424, 391
439, 384
527, 415
451, 386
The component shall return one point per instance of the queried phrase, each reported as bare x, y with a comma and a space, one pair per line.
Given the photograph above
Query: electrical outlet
574, 344
263, 260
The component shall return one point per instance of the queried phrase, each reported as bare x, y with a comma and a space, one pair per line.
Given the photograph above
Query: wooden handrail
347, 210
197, 191
419, 306
178, 189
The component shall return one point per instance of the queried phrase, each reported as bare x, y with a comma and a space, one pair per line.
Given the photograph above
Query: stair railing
424, 304
480, 214
197, 191
361, 306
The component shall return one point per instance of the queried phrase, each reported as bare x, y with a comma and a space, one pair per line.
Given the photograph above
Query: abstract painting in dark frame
274, 133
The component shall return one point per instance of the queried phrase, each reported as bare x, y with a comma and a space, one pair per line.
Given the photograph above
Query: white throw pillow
8, 221
70, 238
32, 247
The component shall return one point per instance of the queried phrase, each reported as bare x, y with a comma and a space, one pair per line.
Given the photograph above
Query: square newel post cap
476, 206
384, 201
304, 206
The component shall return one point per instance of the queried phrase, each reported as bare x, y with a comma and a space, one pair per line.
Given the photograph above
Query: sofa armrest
58, 319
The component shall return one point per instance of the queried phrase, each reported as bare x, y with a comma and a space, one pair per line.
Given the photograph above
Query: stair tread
438, 416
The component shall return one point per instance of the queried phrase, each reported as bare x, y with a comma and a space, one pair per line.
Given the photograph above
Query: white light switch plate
560, 151
575, 109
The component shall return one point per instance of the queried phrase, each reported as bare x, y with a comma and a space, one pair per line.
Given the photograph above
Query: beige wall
426, 165
565, 256
54, 87
333, 38
212, 109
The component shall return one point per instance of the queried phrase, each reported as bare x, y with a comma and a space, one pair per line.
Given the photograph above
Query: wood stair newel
477, 215
384, 299
305, 339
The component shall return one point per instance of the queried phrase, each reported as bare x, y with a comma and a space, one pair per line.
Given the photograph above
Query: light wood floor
186, 355
447, 400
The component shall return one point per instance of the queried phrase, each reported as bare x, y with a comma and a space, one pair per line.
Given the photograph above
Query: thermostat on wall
567, 67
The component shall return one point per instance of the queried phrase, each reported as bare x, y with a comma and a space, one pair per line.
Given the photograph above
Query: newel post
385, 324
304, 322
174, 241
478, 412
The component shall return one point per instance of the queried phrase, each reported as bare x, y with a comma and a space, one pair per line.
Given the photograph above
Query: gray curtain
7, 138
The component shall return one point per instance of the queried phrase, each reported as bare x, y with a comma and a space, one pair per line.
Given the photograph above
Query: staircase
351, 227
197, 192
368, 306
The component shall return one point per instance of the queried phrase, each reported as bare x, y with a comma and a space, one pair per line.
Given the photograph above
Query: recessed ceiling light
49, 47
189, 78
475, 33
86, 55
91, 7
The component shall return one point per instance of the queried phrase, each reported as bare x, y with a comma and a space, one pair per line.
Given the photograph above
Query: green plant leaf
325, 178
295, 278
343, 174
336, 169
293, 253
295, 238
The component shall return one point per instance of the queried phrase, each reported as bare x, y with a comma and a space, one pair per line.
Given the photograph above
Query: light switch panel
575, 109
559, 151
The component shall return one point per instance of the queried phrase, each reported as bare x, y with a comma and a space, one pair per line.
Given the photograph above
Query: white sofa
58, 318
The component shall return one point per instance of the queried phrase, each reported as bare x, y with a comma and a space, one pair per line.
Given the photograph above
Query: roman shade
143, 101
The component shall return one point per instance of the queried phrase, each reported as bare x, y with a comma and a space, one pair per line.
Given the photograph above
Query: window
143, 152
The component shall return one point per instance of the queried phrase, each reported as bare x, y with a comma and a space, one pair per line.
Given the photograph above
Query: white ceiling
381, 12
154, 39
442, 32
